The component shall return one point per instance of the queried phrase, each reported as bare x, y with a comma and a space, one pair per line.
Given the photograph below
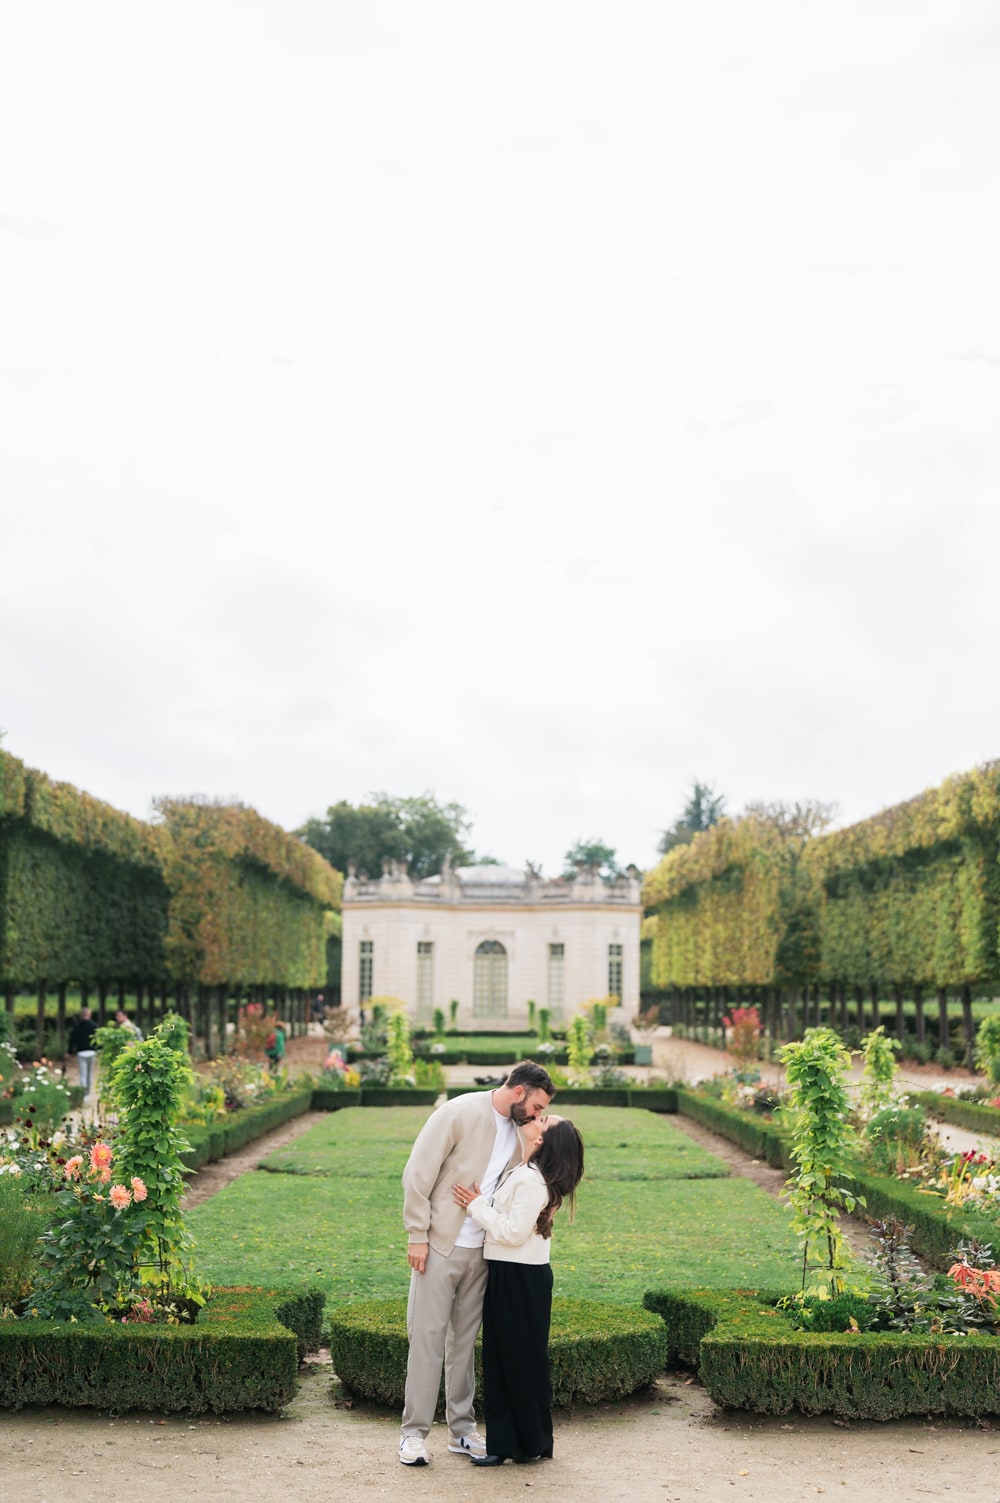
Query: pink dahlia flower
100, 1158
120, 1197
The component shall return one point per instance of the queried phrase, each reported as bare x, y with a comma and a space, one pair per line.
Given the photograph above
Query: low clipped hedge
597, 1351
748, 1356
651, 1099
215, 1139
758, 1137
242, 1353
975, 1116
397, 1096
325, 1099
937, 1227
501, 1056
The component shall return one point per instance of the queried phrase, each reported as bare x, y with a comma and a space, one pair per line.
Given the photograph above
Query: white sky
540, 404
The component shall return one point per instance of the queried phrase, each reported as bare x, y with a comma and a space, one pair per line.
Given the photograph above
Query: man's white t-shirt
472, 1234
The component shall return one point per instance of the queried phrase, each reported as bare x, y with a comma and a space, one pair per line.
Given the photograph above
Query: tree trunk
944, 1032
876, 1011
969, 1027
897, 993
61, 1022
40, 1021
920, 1022
770, 1020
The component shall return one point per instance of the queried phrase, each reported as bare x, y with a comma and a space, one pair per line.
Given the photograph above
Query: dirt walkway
669, 1446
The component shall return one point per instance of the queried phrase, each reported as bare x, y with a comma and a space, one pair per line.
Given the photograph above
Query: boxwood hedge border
974, 1116
749, 1357
597, 1351
242, 1353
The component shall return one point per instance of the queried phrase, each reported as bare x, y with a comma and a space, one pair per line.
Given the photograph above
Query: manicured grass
330, 1213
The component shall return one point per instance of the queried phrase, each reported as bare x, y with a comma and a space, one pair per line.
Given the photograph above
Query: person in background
517, 1309
124, 1021
81, 1043
472, 1137
274, 1046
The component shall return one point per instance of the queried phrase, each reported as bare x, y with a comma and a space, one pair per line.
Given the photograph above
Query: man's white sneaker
468, 1445
412, 1451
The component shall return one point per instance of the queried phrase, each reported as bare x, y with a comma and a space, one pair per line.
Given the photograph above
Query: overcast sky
540, 404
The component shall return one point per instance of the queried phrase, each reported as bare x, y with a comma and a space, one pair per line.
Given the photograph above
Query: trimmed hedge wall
324, 1100
242, 1353
757, 1137
652, 1099
597, 1351
749, 1357
396, 1096
973, 1115
505, 1057
216, 1139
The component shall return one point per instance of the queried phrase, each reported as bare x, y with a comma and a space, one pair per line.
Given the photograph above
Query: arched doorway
489, 980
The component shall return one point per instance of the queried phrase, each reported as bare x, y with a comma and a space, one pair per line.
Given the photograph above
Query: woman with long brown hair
517, 1309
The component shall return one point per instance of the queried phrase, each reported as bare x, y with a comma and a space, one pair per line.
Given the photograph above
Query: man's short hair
533, 1077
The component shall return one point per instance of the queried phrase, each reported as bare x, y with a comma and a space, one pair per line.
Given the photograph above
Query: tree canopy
418, 831
703, 809
591, 853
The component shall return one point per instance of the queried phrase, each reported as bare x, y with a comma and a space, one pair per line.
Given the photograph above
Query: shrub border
597, 1351
975, 1116
749, 1358
242, 1353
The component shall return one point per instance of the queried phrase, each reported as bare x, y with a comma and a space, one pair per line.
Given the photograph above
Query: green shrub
988, 1047
596, 1351
894, 1138
978, 1117
749, 1357
243, 1353
21, 1224
836, 1314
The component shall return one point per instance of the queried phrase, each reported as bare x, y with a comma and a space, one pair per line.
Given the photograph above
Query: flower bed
243, 1353
597, 1351
749, 1357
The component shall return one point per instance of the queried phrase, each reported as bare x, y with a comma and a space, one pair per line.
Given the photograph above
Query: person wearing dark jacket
81, 1043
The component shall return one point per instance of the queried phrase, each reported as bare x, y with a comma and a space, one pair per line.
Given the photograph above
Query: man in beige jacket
472, 1139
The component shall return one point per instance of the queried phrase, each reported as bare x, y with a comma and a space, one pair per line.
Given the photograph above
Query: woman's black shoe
487, 1460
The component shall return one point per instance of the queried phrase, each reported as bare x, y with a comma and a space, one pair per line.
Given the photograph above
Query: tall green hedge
894, 906
210, 896
82, 890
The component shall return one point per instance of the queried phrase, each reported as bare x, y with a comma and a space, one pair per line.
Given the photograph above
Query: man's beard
519, 1114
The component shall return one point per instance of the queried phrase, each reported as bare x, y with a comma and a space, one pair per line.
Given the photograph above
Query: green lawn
653, 1209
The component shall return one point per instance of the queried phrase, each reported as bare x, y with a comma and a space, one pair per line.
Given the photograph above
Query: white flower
58, 1139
